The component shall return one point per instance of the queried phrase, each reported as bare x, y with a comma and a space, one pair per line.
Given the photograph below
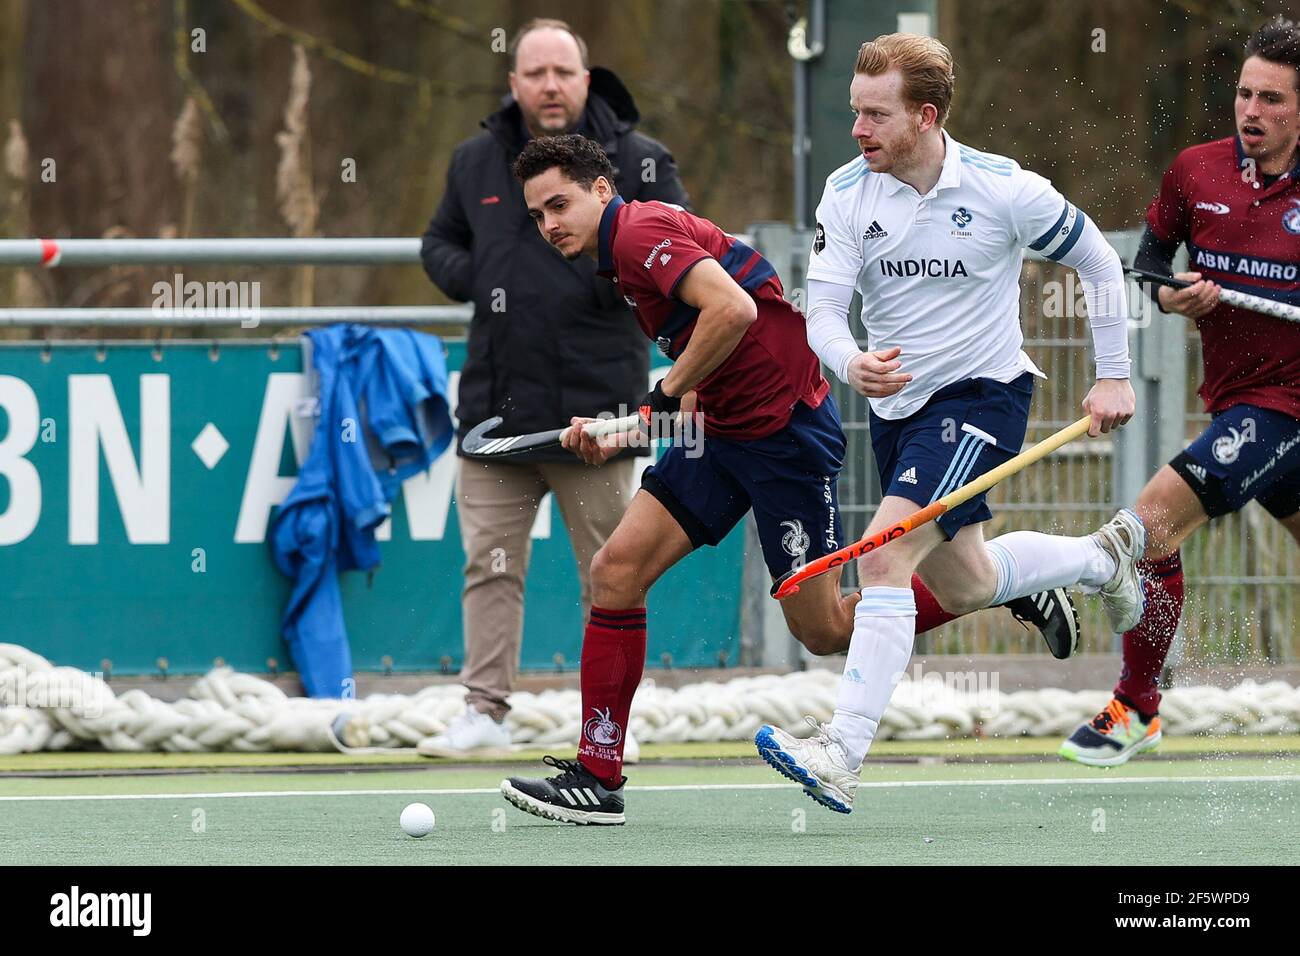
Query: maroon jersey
1241, 234
647, 248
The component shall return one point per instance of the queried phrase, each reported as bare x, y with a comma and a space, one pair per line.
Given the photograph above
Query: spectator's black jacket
549, 338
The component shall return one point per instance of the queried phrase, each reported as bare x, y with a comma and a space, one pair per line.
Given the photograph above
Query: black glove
655, 405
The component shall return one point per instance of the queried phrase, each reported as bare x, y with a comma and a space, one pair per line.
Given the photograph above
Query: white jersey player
932, 234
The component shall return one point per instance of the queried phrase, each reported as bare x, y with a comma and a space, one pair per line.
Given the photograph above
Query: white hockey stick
1242, 300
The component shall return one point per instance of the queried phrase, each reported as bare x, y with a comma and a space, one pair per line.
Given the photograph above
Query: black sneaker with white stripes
574, 795
1053, 613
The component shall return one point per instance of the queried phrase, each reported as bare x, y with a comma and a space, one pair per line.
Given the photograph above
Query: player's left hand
594, 451
1111, 403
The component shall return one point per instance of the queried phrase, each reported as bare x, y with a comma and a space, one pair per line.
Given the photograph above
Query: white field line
481, 791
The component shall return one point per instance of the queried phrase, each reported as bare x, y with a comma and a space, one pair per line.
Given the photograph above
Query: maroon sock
929, 612
613, 656
1147, 645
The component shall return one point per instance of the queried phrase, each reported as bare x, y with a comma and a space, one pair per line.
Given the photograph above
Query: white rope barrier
60, 708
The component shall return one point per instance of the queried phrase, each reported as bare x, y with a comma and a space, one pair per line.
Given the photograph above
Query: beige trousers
497, 504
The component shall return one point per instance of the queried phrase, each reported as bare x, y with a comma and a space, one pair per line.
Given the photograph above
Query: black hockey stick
477, 444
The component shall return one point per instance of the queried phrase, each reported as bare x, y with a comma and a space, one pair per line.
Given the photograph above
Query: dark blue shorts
787, 479
963, 430
1247, 453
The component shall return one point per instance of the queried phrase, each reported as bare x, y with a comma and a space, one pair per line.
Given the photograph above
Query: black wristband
656, 401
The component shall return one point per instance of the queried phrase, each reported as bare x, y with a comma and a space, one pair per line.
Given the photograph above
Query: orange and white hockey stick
789, 582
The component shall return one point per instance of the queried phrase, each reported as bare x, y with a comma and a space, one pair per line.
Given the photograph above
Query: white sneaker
349, 733
1124, 538
820, 763
472, 734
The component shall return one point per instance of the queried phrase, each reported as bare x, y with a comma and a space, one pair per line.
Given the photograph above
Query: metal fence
1242, 573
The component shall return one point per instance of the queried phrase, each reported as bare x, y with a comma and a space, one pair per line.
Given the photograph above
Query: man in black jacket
549, 341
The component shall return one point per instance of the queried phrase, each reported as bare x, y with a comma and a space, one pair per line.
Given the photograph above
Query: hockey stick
476, 444
789, 582
1242, 300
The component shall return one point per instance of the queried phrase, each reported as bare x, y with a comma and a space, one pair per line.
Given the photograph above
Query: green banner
136, 487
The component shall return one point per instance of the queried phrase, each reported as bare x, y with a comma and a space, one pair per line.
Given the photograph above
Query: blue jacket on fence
383, 417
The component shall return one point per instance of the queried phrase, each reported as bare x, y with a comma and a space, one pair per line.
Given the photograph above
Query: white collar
949, 174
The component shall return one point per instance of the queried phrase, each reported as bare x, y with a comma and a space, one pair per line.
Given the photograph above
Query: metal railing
65, 253
259, 316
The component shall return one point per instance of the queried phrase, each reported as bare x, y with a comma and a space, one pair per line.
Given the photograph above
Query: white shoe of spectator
348, 733
472, 734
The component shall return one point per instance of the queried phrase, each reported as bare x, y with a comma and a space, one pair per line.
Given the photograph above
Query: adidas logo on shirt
908, 476
874, 231
1198, 471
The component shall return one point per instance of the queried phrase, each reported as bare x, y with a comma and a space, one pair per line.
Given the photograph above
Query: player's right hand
1194, 301
594, 451
876, 374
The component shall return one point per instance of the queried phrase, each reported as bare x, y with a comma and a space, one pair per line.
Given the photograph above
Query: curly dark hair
578, 158
1277, 41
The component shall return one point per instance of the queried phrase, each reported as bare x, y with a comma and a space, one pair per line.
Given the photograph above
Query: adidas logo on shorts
908, 476
1198, 472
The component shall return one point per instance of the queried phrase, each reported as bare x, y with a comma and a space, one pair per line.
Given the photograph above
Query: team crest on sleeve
819, 239
1291, 218
650, 259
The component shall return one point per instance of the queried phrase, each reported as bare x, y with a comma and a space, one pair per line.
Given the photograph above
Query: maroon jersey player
1235, 204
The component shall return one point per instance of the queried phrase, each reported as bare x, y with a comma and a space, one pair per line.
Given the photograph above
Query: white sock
1029, 561
884, 627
